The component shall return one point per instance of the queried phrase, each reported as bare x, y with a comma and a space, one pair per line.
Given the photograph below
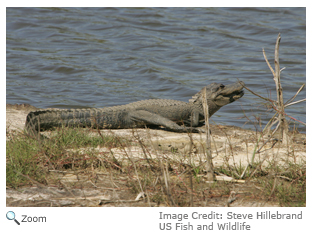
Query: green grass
23, 157
29, 160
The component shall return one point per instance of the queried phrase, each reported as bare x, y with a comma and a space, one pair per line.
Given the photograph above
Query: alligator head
220, 95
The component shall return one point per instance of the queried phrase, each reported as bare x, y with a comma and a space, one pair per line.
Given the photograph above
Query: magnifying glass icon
11, 216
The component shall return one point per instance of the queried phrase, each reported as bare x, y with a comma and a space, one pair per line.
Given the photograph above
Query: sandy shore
229, 144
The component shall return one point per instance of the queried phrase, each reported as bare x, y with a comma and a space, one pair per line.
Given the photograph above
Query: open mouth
237, 95
235, 89
231, 92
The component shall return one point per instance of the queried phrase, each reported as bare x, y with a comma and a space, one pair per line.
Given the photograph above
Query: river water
97, 57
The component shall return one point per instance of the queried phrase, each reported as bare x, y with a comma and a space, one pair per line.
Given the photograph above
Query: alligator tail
48, 119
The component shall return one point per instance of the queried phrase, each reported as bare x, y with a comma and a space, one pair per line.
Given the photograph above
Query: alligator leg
149, 118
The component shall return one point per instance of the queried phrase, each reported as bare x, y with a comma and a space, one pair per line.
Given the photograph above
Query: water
96, 57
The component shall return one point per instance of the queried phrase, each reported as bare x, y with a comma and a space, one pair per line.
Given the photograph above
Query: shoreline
231, 146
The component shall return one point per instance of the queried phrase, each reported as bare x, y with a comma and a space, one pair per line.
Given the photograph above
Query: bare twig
274, 102
270, 100
292, 98
277, 64
282, 120
272, 71
296, 102
104, 201
210, 172
282, 112
277, 127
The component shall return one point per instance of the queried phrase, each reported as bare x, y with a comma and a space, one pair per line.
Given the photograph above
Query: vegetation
177, 180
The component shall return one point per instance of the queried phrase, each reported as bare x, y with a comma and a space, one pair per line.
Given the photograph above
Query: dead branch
273, 102
272, 71
280, 105
210, 169
292, 98
284, 128
287, 115
296, 102
270, 100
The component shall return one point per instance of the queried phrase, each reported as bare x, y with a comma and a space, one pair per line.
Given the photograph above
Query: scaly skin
171, 114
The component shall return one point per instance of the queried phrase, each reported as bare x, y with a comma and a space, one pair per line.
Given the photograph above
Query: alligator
173, 115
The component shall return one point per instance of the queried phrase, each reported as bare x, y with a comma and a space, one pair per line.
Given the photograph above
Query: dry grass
82, 160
